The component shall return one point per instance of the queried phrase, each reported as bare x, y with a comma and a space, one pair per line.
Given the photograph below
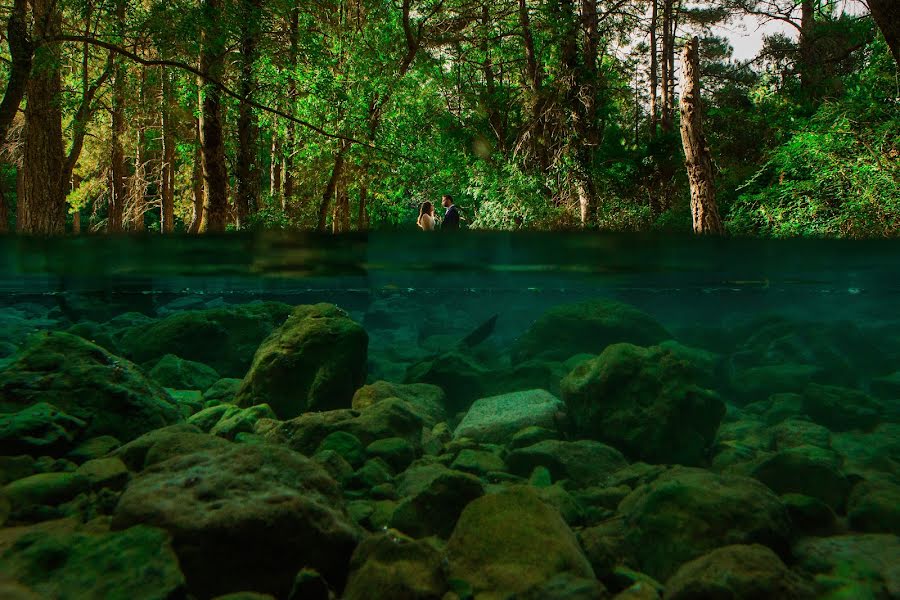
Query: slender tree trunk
212, 139
275, 173
139, 179
21, 51
328, 195
696, 150
248, 172
534, 99
118, 191
654, 69
362, 217
667, 75
167, 212
44, 198
494, 113
4, 211
886, 14
291, 142
197, 193
810, 64
340, 220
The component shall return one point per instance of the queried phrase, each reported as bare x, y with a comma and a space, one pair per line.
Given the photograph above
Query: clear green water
762, 321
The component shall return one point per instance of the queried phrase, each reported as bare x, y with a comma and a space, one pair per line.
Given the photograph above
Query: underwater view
530, 416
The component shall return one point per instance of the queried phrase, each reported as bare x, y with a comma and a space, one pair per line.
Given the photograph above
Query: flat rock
496, 419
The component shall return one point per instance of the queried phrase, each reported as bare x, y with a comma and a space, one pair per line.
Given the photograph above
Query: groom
451, 217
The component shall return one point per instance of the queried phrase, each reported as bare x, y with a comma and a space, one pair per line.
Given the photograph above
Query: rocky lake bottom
197, 447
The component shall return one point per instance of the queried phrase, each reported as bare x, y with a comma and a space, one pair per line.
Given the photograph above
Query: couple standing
426, 215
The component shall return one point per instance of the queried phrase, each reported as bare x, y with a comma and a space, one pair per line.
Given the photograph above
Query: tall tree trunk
44, 196
291, 142
886, 14
654, 69
494, 113
22, 53
248, 172
809, 76
534, 98
139, 179
167, 169
4, 211
275, 173
328, 195
362, 216
340, 220
666, 118
197, 193
118, 190
696, 151
212, 139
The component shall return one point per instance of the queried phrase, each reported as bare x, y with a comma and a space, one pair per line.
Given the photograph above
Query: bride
426, 216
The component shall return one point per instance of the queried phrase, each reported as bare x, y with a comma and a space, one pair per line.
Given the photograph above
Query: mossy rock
243, 516
346, 445
809, 515
96, 447
477, 462
224, 390
874, 507
315, 361
44, 489
583, 463
806, 470
428, 400
587, 328
432, 498
110, 394
397, 452
842, 409
685, 513
644, 402
57, 560
392, 565
509, 542
223, 338
496, 419
39, 429
851, 566
463, 377
180, 374
739, 572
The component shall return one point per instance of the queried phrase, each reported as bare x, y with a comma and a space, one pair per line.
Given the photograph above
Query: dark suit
451, 219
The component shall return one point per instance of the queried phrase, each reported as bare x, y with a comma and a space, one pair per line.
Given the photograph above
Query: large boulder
494, 420
180, 374
110, 394
463, 377
428, 400
644, 402
685, 513
57, 560
40, 429
852, 566
807, 470
223, 338
587, 327
841, 409
583, 462
433, 497
391, 565
244, 517
510, 542
315, 361
739, 572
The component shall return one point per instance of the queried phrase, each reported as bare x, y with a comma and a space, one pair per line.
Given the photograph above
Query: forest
344, 115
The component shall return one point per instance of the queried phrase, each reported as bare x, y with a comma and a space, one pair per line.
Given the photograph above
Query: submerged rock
110, 394
583, 463
391, 565
510, 542
429, 400
587, 327
685, 513
244, 517
315, 361
644, 402
841, 409
432, 499
496, 419
739, 572
806, 470
462, 377
223, 338
874, 506
57, 560
38, 429
180, 374
852, 566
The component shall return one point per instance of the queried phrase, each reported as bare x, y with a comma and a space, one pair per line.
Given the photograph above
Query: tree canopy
344, 115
